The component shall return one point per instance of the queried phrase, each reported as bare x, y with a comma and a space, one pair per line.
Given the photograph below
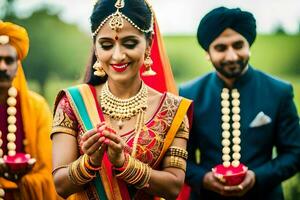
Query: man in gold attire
25, 124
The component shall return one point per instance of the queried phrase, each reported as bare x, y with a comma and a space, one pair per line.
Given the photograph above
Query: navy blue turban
217, 20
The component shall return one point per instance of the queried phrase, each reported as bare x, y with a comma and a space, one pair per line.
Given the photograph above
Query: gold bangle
85, 172
88, 165
136, 173
77, 174
59, 167
146, 178
175, 161
178, 152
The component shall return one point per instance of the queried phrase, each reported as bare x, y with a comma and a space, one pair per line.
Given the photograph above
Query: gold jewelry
136, 173
175, 161
116, 23
99, 149
177, 152
235, 127
116, 19
138, 128
88, 164
123, 109
183, 131
59, 167
148, 64
78, 174
98, 69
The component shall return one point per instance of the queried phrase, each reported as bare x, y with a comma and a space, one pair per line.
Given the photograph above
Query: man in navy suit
240, 114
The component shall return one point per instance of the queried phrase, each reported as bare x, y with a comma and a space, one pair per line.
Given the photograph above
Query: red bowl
230, 175
16, 162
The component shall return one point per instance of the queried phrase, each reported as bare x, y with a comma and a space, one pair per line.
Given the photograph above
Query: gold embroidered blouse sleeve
64, 119
184, 130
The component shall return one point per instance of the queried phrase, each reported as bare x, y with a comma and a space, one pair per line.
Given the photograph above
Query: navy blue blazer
259, 92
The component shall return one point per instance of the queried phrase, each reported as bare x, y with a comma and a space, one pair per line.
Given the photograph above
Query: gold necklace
11, 120
235, 118
123, 109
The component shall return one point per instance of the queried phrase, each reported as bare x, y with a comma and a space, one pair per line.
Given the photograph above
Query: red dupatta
163, 81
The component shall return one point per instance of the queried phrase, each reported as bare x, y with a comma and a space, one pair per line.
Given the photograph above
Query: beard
5, 80
4, 76
231, 69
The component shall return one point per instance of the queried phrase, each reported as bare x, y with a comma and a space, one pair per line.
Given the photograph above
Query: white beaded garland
236, 125
226, 164
11, 120
11, 137
236, 110
11, 146
12, 92
225, 142
12, 128
225, 126
236, 118
225, 118
226, 134
235, 163
11, 101
226, 150
236, 148
236, 140
226, 157
11, 110
225, 103
225, 110
236, 156
236, 133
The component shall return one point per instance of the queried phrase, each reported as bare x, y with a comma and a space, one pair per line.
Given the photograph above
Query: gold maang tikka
116, 23
116, 19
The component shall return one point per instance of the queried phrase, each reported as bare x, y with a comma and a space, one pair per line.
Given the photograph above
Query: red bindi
116, 37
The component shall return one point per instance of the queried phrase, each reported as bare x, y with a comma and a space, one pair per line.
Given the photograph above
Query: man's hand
215, 184
15, 175
243, 187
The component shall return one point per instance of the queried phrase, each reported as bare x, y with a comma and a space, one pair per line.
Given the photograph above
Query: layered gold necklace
123, 109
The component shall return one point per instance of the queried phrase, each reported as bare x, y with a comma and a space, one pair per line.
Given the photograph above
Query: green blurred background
59, 52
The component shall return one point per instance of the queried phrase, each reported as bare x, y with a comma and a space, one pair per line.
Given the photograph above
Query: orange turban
18, 37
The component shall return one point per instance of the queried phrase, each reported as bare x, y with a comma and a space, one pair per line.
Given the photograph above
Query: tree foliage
56, 49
